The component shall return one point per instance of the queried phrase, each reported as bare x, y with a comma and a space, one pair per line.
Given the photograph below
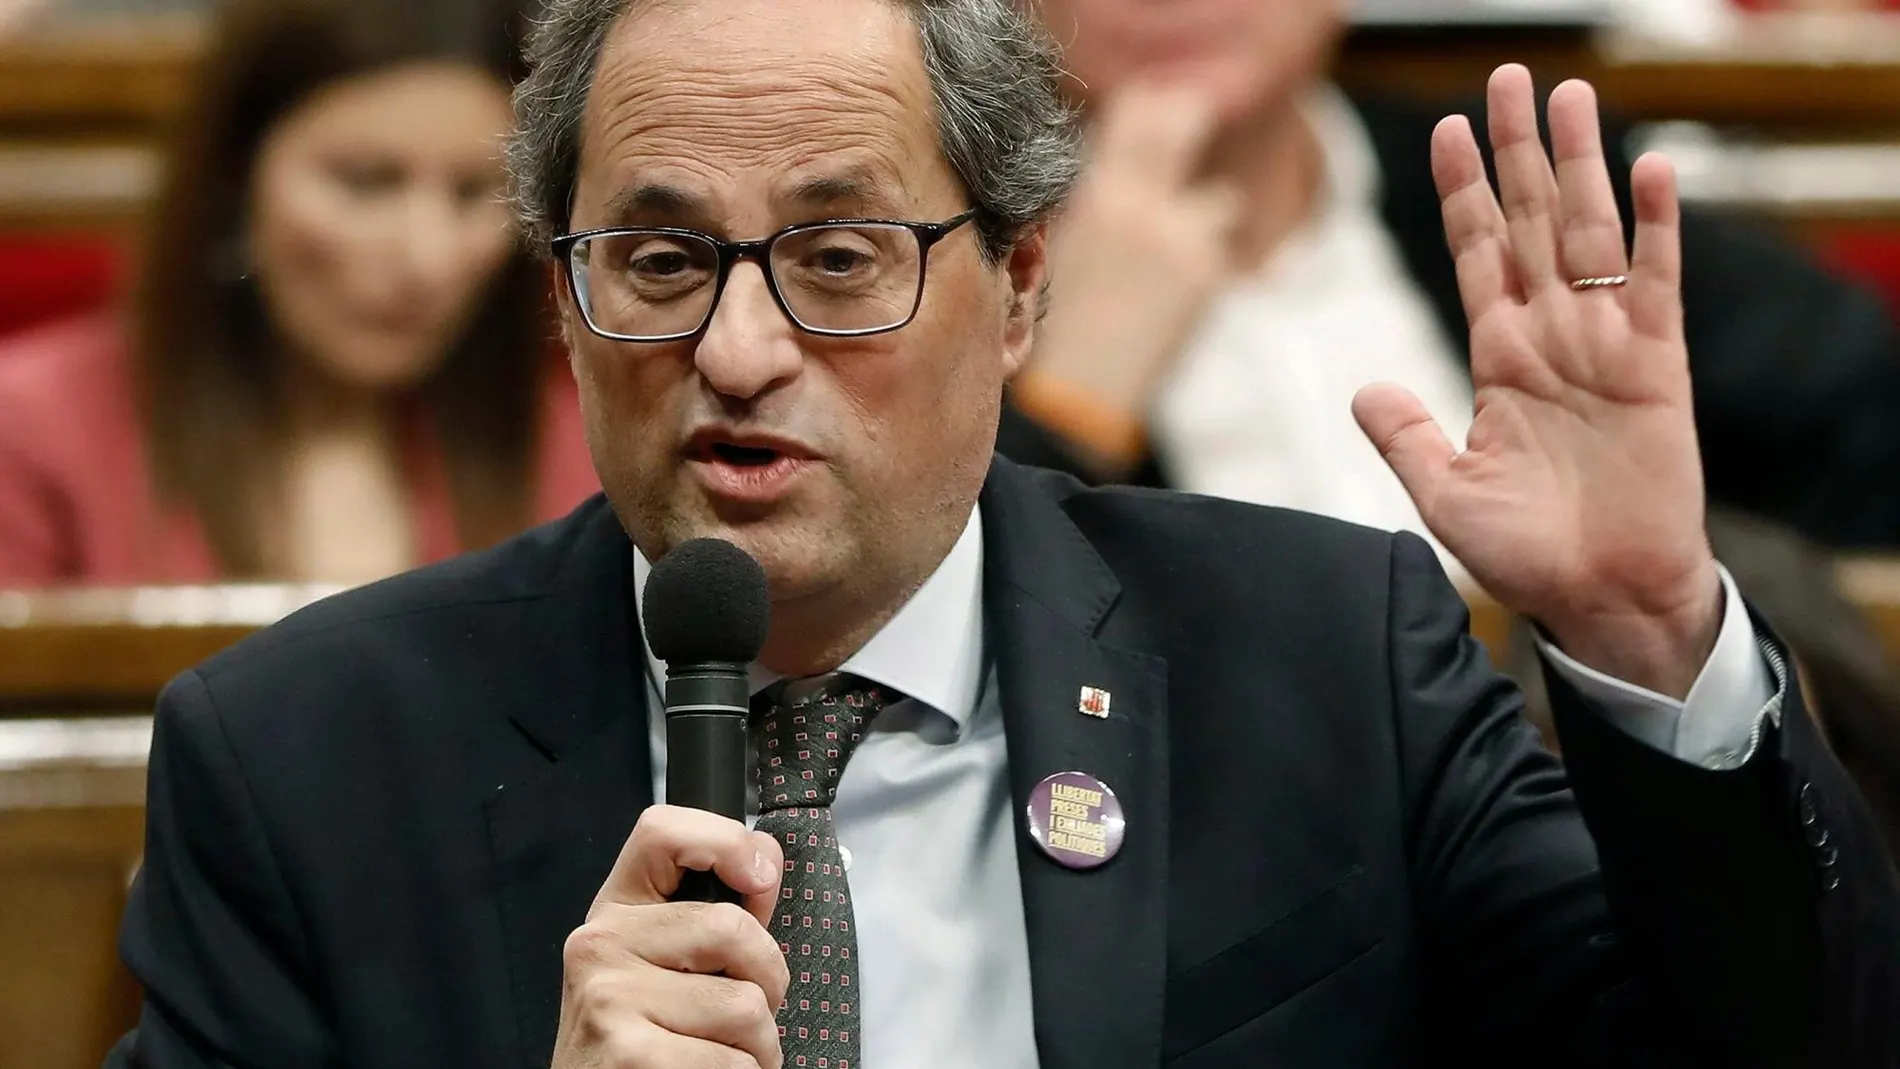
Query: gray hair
994, 74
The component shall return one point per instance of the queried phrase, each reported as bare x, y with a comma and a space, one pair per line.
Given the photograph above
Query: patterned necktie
804, 737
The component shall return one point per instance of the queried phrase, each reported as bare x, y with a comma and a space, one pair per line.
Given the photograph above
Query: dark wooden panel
1814, 75
78, 650
130, 74
109, 75
71, 832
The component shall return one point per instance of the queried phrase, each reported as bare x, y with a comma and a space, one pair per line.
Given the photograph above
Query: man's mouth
750, 468
742, 449
742, 456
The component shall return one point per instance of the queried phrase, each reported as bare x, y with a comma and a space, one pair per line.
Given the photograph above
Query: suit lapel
1097, 937
555, 830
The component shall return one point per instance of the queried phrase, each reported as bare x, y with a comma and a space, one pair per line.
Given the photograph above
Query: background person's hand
652, 984
1578, 501
1138, 253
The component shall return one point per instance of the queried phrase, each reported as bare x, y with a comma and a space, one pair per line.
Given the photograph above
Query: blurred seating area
94, 101
84, 104
79, 672
1787, 118
1789, 115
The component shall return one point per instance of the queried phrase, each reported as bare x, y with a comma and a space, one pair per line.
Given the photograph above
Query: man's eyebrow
654, 198
856, 186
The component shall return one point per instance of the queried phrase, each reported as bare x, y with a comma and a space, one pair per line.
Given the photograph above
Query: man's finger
689, 937
1655, 297
652, 1045
1591, 238
719, 1010
1474, 224
668, 839
1525, 181
1407, 437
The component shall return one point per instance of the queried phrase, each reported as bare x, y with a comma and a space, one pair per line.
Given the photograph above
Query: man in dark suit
1048, 776
1337, 243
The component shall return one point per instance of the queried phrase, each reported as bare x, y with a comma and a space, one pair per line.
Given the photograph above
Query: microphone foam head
706, 601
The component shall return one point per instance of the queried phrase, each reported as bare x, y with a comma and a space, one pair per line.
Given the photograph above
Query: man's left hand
1578, 500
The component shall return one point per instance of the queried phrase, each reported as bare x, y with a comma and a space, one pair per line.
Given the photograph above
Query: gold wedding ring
1600, 282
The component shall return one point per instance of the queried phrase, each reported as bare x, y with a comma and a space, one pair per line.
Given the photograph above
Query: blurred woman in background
337, 362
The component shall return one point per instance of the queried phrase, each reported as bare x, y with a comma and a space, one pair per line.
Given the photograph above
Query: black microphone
707, 612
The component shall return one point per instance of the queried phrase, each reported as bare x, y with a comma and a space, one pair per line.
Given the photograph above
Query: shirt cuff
1719, 725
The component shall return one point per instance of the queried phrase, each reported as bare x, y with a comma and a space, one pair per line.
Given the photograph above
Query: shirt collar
931, 651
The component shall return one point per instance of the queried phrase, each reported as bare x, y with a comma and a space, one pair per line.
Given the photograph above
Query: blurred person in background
337, 362
1250, 246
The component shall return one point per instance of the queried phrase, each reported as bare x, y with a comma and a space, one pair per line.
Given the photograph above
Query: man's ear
1027, 269
565, 310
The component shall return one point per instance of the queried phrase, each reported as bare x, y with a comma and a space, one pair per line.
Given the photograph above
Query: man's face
844, 465
1243, 54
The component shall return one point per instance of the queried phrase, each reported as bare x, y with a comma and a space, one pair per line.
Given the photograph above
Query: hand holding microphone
649, 983
675, 965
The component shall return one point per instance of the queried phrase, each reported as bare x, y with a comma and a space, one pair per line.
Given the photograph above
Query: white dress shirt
927, 827
1263, 391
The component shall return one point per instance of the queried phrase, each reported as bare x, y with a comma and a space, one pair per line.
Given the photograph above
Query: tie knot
805, 731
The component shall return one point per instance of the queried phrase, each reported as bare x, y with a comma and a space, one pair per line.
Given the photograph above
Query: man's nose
749, 347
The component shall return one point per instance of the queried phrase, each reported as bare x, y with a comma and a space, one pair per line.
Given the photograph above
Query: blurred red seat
45, 277
1870, 255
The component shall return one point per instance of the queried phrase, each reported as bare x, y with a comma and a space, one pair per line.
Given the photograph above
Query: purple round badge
1076, 820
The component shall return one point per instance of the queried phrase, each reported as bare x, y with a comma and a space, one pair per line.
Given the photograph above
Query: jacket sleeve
211, 930
1637, 910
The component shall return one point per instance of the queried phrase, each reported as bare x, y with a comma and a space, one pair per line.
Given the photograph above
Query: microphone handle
707, 754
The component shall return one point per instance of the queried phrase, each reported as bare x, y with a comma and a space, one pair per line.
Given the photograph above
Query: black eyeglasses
843, 278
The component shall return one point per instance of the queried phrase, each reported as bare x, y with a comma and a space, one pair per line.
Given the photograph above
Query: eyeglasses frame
759, 251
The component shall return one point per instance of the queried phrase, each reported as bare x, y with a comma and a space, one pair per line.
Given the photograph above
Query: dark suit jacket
372, 826
1797, 374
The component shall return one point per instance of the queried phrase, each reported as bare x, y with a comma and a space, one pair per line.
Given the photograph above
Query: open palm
1578, 500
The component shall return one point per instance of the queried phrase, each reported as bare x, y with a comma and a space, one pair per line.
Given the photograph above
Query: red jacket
76, 502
